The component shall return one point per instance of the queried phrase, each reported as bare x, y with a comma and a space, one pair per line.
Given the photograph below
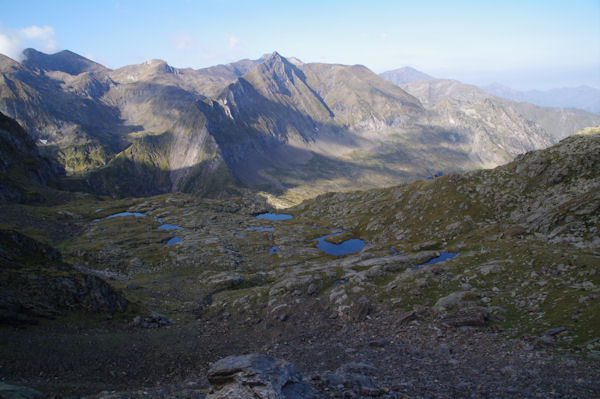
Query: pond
274, 216
116, 215
274, 250
347, 247
173, 240
444, 256
394, 252
168, 226
260, 228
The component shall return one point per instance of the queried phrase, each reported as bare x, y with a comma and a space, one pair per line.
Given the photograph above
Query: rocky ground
513, 314
411, 356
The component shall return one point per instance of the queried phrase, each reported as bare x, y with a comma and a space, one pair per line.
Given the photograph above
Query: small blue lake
116, 215
341, 281
174, 240
99, 210
274, 216
347, 247
444, 256
394, 252
260, 228
274, 250
168, 226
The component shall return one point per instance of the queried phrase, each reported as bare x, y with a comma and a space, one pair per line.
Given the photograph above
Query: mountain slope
502, 128
185, 158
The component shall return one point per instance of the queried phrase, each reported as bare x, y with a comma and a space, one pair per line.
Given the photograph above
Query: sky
526, 44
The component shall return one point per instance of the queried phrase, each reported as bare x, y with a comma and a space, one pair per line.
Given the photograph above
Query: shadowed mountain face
21, 166
272, 124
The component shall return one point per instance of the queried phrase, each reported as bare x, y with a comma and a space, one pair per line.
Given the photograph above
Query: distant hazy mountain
404, 75
464, 100
582, 97
273, 124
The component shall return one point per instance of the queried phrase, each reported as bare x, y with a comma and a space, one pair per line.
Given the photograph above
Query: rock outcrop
35, 282
256, 376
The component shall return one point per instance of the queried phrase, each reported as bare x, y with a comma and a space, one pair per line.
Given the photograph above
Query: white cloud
38, 32
12, 42
184, 41
234, 42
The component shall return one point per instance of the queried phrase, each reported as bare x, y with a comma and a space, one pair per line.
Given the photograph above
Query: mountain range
277, 125
582, 97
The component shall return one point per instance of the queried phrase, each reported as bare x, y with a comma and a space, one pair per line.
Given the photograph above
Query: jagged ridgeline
290, 129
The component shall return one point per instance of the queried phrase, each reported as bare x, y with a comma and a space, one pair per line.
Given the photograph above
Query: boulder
256, 376
449, 301
473, 316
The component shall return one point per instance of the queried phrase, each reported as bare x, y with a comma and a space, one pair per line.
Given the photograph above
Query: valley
306, 230
519, 298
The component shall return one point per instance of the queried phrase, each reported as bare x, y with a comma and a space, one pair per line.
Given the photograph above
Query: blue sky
523, 44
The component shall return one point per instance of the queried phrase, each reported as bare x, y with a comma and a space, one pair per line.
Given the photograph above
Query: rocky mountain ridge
288, 128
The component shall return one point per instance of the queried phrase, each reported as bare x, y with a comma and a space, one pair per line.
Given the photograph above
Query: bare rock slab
256, 376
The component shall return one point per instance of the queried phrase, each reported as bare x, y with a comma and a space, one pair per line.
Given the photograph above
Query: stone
379, 343
358, 368
256, 376
155, 320
474, 316
352, 380
449, 301
407, 316
362, 310
547, 340
554, 331
493, 267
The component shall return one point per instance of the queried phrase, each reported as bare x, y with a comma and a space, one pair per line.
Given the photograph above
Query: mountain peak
159, 66
404, 75
267, 56
63, 61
